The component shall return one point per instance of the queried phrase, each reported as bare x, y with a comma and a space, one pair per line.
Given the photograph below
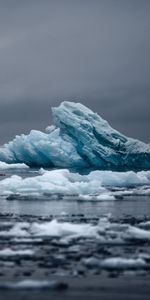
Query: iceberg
78, 139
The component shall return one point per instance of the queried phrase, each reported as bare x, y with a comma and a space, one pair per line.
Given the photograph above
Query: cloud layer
95, 51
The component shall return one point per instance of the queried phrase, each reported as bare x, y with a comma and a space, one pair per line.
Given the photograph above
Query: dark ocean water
132, 206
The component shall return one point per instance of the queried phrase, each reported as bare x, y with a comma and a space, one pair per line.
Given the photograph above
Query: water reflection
134, 206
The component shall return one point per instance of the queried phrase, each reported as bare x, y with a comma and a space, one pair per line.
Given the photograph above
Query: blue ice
79, 139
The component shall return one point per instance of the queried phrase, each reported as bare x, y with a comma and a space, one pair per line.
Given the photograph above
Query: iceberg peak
79, 138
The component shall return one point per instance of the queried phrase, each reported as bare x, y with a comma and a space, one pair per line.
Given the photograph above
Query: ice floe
105, 231
63, 246
11, 252
117, 263
98, 184
5, 166
34, 284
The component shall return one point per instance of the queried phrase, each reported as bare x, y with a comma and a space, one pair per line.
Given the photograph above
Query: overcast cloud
96, 52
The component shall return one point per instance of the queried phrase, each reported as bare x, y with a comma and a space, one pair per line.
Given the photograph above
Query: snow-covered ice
79, 139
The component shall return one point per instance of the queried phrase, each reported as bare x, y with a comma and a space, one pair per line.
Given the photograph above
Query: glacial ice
79, 139
64, 182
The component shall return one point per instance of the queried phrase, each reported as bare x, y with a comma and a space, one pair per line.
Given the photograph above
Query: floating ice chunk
104, 231
19, 230
144, 256
78, 139
51, 182
10, 252
145, 225
118, 263
121, 179
5, 166
52, 229
64, 182
34, 284
102, 196
134, 233
66, 229
123, 263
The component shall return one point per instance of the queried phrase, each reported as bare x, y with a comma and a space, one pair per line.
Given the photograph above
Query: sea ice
51, 182
64, 182
134, 233
78, 139
104, 231
66, 229
122, 263
34, 284
10, 252
5, 166
117, 263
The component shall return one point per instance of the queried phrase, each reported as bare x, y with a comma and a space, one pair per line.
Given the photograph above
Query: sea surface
41, 247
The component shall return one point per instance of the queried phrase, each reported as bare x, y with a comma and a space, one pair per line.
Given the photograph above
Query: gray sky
96, 52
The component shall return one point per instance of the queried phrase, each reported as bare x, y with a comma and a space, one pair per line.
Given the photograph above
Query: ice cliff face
78, 139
